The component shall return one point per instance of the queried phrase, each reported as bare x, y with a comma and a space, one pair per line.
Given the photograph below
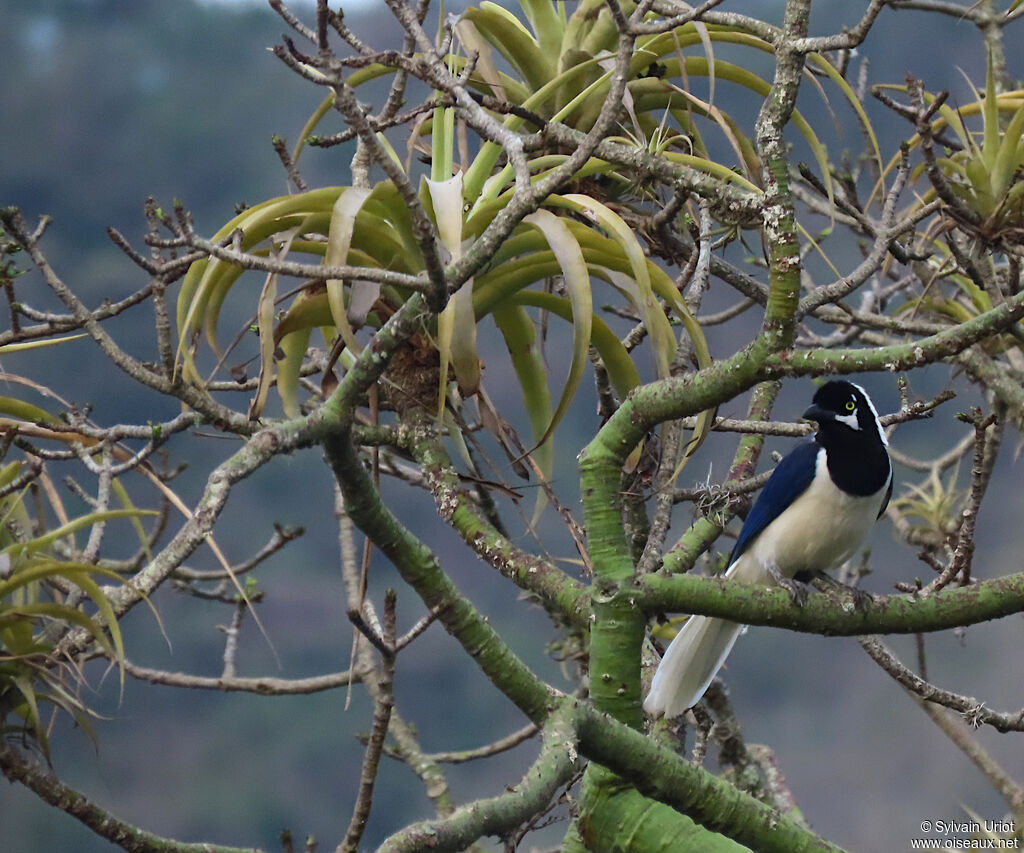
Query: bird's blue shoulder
789, 480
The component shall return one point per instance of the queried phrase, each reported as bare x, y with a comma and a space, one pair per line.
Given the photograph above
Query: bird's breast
821, 529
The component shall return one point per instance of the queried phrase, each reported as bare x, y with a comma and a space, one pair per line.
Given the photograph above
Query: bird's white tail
692, 659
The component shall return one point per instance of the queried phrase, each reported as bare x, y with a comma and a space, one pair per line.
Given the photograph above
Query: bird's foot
798, 591
842, 592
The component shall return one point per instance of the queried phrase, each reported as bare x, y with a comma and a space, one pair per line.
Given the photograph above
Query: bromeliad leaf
577, 284
339, 239
456, 325
7, 349
45, 540
265, 326
658, 327
520, 337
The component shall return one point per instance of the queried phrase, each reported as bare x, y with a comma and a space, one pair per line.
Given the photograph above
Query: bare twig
974, 712
383, 701
981, 472
496, 748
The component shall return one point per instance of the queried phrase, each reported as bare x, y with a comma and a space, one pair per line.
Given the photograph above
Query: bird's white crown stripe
874, 412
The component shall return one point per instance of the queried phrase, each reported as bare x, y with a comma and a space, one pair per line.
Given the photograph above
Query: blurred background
106, 102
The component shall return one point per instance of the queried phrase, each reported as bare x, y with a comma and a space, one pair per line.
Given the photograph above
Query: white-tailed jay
813, 514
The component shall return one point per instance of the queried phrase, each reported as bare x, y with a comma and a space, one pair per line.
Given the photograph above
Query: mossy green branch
1001, 382
615, 817
897, 357
682, 396
618, 625
499, 815
420, 568
339, 408
661, 774
617, 631
558, 592
50, 789
889, 614
779, 216
703, 532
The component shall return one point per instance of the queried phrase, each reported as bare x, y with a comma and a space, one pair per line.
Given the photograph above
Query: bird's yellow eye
850, 406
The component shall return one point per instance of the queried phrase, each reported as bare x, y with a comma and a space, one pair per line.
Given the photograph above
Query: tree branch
130, 838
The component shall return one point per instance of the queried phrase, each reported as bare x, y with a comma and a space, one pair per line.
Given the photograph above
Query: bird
813, 514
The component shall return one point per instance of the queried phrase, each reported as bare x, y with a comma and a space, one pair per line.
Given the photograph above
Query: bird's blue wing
790, 479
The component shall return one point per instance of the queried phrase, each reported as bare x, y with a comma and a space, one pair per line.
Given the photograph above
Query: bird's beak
818, 415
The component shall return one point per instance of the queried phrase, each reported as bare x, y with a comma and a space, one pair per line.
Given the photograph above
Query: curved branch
554, 767
974, 712
49, 788
886, 614
263, 685
661, 774
420, 568
316, 272
528, 571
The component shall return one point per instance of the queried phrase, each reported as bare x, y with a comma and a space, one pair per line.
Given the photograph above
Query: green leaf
323, 109
570, 259
126, 501
27, 412
294, 348
92, 589
339, 239
8, 349
25, 688
514, 42
520, 336
73, 526
62, 612
822, 64
485, 67
1009, 156
265, 327
622, 372
9, 472
658, 328
990, 116
547, 24
456, 324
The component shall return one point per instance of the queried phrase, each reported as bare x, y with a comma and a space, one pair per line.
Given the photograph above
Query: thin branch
379, 683
496, 748
314, 272
981, 472
294, 175
960, 11
231, 633
849, 38
960, 733
556, 764
416, 630
264, 686
884, 614
974, 712
640, 27
130, 838
886, 233
278, 539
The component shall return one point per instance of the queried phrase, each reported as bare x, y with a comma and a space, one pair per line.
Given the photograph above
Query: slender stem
555, 766
130, 838
971, 709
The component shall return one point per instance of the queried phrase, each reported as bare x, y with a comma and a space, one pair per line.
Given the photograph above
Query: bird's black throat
857, 460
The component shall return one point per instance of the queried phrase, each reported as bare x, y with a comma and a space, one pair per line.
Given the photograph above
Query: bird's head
841, 408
